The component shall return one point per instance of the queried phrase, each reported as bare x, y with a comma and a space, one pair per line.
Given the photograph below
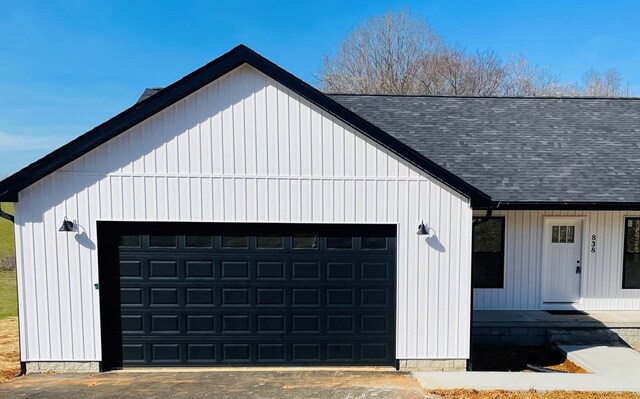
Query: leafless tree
381, 55
525, 79
397, 53
451, 71
602, 84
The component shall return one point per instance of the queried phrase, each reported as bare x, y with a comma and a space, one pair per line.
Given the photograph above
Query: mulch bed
516, 358
474, 394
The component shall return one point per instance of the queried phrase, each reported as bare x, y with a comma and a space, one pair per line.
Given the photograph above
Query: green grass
7, 245
8, 295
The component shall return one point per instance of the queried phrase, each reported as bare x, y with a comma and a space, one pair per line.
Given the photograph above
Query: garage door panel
172, 351
264, 296
209, 294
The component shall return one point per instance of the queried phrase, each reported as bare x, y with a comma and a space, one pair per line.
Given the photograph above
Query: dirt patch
220, 384
516, 358
9, 348
473, 394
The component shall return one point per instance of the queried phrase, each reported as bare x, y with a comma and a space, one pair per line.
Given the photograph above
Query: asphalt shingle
520, 149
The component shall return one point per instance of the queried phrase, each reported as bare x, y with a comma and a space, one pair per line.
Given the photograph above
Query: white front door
562, 263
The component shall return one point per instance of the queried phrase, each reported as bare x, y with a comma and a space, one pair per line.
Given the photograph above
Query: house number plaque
593, 243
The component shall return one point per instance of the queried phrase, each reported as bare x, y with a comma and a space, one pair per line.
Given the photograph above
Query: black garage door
219, 294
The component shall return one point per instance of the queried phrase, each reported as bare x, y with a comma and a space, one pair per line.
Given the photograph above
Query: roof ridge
484, 97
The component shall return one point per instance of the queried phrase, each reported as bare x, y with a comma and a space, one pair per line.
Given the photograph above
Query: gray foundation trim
509, 335
527, 335
433, 364
63, 367
631, 336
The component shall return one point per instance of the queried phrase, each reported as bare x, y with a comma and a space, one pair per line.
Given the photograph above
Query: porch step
581, 336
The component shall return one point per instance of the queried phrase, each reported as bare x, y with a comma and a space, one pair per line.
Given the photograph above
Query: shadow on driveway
217, 384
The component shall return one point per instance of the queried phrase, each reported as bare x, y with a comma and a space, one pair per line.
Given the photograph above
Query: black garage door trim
207, 294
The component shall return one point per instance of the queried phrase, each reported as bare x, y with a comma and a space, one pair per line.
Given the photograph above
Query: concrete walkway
612, 360
487, 380
614, 368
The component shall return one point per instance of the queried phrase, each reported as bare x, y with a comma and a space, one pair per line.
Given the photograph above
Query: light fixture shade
67, 226
422, 230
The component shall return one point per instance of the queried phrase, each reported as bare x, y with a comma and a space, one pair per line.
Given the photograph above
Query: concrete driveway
236, 384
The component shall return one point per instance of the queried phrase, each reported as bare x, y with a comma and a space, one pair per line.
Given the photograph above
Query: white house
240, 216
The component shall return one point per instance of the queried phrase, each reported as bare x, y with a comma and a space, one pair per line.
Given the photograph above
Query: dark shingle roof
148, 92
520, 149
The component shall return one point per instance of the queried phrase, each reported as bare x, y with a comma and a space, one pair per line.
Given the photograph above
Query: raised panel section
202, 353
235, 270
306, 323
164, 324
131, 296
165, 352
340, 271
236, 352
271, 323
235, 323
200, 296
198, 269
305, 297
270, 296
306, 352
270, 270
374, 271
164, 296
163, 269
130, 269
235, 296
132, 324
271, 352
374, 296
200, 323
306, 270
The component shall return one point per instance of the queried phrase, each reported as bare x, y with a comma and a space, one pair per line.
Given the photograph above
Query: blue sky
67, 66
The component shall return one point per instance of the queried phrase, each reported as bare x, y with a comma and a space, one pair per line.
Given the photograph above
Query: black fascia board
239, 55
563, 205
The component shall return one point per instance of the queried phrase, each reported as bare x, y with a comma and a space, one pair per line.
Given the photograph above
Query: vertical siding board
39, 269
404, 331
226, 126
238, 132
21, 265
51, 254
316, 143
295, 150
327, 146
306, 153
327, 201
338, 150
422, 270
272, 129
283, 133
350, 155
444, 281
28, 308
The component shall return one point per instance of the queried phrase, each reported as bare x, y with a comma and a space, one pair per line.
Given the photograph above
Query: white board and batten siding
601, 278
242, 149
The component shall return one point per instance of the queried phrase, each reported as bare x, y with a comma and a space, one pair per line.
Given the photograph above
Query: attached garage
218, 294
241, 217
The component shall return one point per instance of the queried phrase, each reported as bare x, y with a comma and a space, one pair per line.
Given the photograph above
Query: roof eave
564, 205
